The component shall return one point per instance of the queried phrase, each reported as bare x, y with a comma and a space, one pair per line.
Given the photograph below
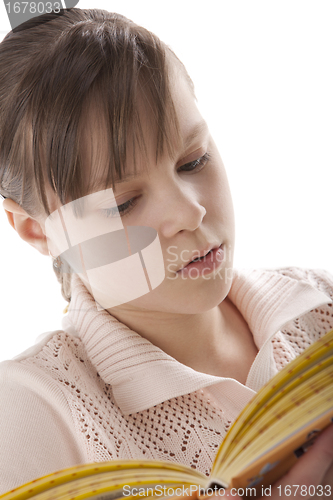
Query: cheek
217, 193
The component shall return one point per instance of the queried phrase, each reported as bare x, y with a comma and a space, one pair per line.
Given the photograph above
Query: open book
272, 431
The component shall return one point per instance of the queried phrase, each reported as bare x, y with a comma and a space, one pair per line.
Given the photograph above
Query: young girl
107, 165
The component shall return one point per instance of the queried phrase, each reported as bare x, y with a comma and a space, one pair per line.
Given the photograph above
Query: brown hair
51, 69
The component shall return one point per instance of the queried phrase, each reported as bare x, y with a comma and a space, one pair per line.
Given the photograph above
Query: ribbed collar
142, 375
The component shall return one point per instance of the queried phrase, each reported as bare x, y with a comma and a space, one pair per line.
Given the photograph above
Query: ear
29, 229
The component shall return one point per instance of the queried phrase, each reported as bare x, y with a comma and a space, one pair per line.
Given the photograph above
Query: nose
179, 210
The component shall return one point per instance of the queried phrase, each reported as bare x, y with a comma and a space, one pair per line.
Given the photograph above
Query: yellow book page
277, 412
112, 485
274, 464
297, 383
66, 476
278, 427
296, 398
318, 405
315, 353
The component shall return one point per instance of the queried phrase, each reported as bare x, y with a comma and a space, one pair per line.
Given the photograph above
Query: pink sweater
98, 391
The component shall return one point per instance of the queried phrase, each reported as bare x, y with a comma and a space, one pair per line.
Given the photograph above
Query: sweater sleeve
35, 431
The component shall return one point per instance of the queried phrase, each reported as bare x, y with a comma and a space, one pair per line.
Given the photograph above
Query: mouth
201, 256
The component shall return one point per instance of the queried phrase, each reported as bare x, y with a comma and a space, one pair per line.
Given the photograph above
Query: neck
210, 342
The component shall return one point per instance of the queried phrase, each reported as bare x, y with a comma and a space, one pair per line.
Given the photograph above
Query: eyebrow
198, 129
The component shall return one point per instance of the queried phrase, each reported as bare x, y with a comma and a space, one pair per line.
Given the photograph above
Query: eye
126, 207
122, 209
196, 164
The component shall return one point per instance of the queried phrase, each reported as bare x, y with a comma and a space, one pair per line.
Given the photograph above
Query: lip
197, 255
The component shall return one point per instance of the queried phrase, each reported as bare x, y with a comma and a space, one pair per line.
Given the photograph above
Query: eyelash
201, 162
126, 207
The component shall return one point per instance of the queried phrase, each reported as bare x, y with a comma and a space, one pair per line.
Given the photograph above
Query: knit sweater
98, 391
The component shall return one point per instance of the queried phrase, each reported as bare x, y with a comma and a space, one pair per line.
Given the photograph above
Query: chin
187, 296
201, 297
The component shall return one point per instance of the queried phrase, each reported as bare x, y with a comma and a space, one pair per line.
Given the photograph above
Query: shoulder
320, 279
57, 358
35, 412
304, 330
31, 372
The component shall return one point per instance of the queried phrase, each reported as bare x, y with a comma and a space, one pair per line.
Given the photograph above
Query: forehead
183, 124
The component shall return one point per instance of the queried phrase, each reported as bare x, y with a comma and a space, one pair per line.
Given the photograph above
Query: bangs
98, 74
112, 134
101, 62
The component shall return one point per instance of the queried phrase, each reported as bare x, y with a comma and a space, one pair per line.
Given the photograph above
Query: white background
264, 79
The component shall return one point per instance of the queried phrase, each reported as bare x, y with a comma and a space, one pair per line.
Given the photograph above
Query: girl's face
186, 200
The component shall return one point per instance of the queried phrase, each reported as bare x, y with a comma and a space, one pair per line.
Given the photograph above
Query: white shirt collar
142, 375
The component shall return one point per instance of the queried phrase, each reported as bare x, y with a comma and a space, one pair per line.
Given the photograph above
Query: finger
311, 468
